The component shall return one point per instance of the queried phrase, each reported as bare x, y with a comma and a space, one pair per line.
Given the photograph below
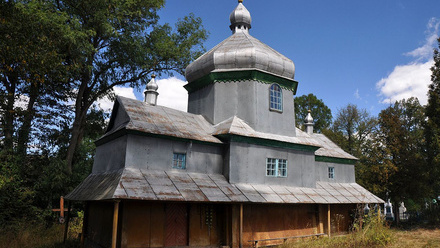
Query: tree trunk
9, 115
25, 129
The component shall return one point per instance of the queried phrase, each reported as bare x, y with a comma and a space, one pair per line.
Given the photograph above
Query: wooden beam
241, 226
115, 224
66, 225
328, 221
321, 218
85, 224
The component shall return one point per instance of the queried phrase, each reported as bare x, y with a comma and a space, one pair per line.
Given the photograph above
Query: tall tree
352, 128
432, 130
128, 45
34, 39
322, 115
401, 137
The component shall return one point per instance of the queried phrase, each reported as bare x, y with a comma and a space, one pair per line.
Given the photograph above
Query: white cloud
356, 94
107, 104
412, 79
406, 81
425, 51
172, 94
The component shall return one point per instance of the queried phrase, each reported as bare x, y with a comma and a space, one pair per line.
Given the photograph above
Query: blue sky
366, 53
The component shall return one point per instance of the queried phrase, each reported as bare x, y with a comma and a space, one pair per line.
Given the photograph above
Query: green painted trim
237, 76
124, 131
335, 160
268, 142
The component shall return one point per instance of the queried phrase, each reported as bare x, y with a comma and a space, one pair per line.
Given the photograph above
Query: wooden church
233, 171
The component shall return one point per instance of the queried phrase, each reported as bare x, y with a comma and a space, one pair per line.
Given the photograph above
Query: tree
432, 130
127, 45
352, 128
322, 115
33, 63
401, 137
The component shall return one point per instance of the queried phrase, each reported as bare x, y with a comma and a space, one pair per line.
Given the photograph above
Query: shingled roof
141, 184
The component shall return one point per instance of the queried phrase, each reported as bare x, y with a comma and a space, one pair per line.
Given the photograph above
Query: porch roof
140, 184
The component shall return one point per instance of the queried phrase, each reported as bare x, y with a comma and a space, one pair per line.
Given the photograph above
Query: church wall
248, 165
110, 156
201, 102
344, 173
249, 101
157, 154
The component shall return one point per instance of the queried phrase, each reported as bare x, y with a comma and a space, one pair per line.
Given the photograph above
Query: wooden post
321, 218
115, 224
241, 226
62, 207
328, 221
66, 225
85, 224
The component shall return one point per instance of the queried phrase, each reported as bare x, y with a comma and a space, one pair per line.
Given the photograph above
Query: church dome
241, 52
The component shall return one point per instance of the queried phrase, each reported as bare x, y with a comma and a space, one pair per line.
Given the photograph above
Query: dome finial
240, 19
308, 122
151, 91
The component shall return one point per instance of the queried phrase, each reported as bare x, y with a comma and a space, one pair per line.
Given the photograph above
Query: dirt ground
417, 238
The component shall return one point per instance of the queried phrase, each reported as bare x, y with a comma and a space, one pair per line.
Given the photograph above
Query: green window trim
276, 167
179, 161
239, 76
335, 160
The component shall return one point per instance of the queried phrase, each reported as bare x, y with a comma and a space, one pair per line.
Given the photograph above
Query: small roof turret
240, 52
240, 18
308, 122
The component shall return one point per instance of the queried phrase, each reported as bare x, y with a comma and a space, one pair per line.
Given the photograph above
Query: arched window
276, 98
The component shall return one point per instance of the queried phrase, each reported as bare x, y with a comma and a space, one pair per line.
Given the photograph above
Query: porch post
66, 227
115, 224
241, 225
85, 224
328, 221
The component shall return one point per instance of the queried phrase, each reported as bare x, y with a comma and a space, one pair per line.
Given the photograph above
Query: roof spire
151, 91
240, 19
308, 122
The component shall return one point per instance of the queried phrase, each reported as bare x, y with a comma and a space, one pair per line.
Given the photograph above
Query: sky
368, 53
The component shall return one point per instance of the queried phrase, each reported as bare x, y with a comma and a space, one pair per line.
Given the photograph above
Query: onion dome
240, 18
309, 118
150, 92
241, 52
152, 85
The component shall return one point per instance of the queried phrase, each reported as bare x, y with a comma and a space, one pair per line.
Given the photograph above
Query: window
331, 172
276, 167
179, 161
276, 98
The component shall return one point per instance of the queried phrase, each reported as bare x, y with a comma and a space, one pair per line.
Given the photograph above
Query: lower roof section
140, 184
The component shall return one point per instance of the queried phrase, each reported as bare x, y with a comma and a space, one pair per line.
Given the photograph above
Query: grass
25, 235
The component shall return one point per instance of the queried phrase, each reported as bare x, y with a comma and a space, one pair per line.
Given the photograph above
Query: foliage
25, 235
432, 130
373, 232
127, 45
321, 114
352, 128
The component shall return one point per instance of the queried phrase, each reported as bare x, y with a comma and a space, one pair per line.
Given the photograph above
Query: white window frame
331, 172
179, 161
276, 167
276, 98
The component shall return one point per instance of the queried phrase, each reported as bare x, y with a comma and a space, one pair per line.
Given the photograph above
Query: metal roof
141, 184
237, 126
160, 120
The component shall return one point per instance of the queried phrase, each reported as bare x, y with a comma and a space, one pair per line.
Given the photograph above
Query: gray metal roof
328, 147
241, 51
140, 184
237, 126
160, 120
